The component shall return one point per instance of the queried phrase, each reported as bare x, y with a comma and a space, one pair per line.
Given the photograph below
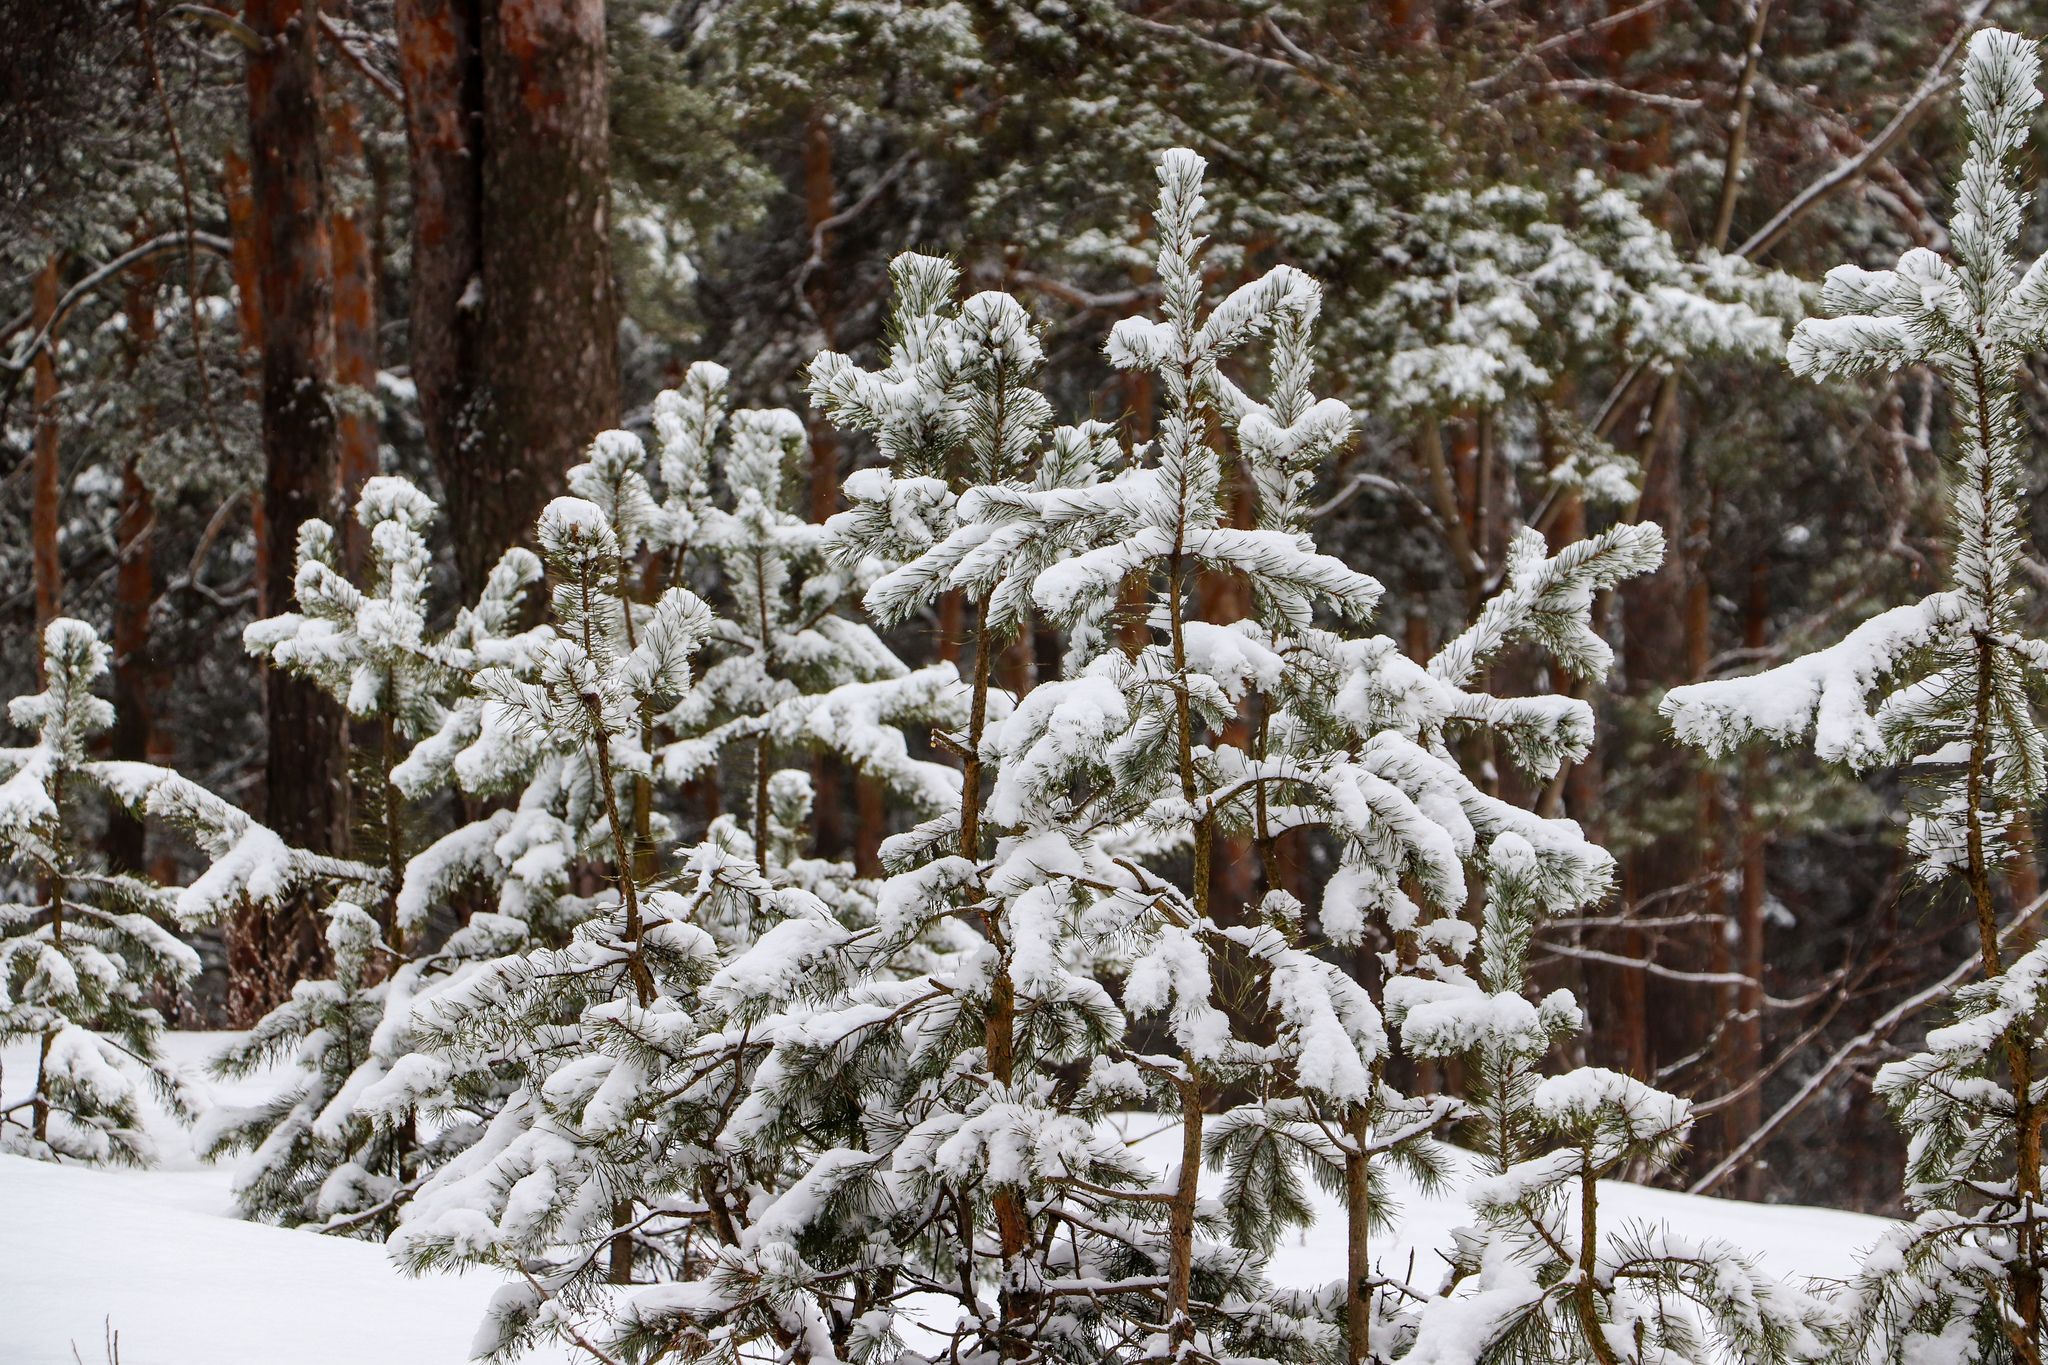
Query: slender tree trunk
1180, 1223
306, 781
47, 494
1358, 1209
872, 825
1746, 1114
135, 674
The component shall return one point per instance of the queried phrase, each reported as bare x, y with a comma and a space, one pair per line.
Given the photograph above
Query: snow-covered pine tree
792, 671
315, 1152
81, 948
1357, 739
917, 1087
1952, 675
1541, 1280
82, 954
572, 1181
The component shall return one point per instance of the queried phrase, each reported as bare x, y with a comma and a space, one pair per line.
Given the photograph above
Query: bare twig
1579, 85
170, 241
344, 40
1922, 99
190, 578
1738, 128
1565, 39
218, 19
1643, 964
1850, 1051
1081, 298
825, 226
1223, 50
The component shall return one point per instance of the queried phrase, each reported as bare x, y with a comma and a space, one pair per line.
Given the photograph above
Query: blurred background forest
250, 258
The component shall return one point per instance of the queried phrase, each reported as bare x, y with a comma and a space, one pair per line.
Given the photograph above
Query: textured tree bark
441, 66
242, 226
306, 780
514, 315
47, 488
355, 330
548, 345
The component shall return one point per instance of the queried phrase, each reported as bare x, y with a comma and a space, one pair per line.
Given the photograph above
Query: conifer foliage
78, 961
1941, 688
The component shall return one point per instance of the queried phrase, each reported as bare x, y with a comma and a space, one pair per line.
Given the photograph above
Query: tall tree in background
306, 778
511, 253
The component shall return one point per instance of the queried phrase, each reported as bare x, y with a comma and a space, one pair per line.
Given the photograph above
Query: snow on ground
158, 1256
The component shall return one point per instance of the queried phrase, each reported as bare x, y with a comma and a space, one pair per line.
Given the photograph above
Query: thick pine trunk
548, 345
514, 314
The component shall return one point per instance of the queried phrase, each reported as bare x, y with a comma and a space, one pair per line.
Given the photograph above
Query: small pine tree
1953, 673
790, 670
338, 1142
81, 956
567, 1183
1539, 1280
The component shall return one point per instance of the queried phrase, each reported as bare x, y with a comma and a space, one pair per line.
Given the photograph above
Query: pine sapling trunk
1205, 829
643, 787
1584, 1294
1358, 1208
999, 1026
970, 762
629, 893
1180, 1226
40, 1109
761, 801
619, 1270
2026, 1274
394, 851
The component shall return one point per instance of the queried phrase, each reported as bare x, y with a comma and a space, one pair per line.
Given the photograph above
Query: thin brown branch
1850, 1051
1917, 104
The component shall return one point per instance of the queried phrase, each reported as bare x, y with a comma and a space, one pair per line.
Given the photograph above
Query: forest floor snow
159, 1257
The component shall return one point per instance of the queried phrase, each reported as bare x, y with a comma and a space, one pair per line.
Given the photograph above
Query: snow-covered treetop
1949, 673
368, 646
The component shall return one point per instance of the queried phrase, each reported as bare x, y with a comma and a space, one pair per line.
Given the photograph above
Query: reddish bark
1746, 1114
442, 69
355, 332
549, 350
872, 825
242, 225
136, 677
514, 315
306, 779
